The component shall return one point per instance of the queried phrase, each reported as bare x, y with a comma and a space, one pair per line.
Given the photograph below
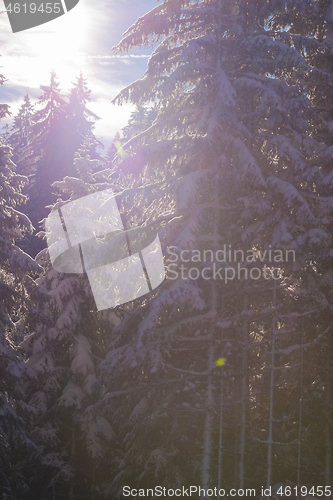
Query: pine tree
80, 119
21, 131
58, 129
235, 159
65, 353
141, 119
46, 153
6, 134
19, 454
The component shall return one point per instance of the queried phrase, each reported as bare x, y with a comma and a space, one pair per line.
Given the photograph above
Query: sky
80, 40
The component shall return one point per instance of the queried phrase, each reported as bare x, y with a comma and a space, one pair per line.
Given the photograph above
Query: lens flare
120, 150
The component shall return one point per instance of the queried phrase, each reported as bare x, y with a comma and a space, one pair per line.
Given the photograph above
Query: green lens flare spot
220, 362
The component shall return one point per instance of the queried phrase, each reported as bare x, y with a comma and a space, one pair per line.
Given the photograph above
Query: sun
60, 44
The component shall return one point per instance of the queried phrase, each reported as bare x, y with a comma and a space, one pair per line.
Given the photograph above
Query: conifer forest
218, 381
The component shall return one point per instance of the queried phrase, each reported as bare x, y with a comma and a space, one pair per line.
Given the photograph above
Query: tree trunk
328, 454
71, 489
271, 398
328, 446
244, 395
207, 444
300, 416
219, 472
93, 481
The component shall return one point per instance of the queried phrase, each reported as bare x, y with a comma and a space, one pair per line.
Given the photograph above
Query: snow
73, 395
81, 354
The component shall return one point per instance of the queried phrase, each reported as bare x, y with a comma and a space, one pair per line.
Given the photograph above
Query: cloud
78, 41
125, 56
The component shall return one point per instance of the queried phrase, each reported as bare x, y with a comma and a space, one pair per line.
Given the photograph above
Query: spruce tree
20, 456
235, 160
21, 132
46, 152
80, 119
141, 119
58, 129
65, 352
